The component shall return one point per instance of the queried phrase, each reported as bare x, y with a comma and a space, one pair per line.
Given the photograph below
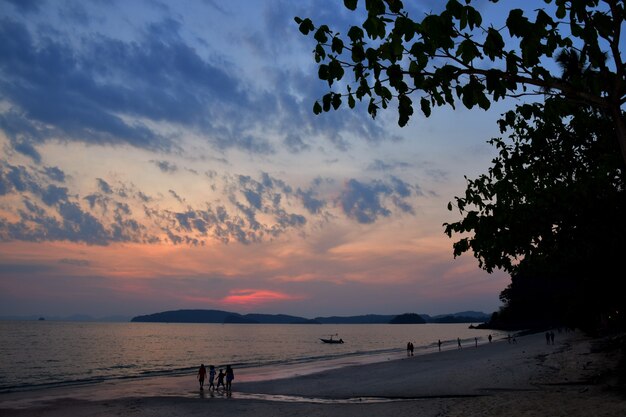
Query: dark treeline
557, 202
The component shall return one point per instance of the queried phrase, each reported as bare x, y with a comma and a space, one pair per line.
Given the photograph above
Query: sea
37, 355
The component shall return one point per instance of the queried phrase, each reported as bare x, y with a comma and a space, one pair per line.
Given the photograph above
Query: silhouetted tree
550, 211
454, 55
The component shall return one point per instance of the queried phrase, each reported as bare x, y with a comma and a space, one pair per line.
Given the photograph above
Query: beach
526, 378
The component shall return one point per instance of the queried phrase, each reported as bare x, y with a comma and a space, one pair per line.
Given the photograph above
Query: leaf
321, 34
425, 105
336, 101
518, 24
320, 53
405, 110
337, 45
494, 44
355, 34
372, 108
335, 70
317, 108
473, 17
306, 26
468, 51
351, 102
357, 53
326, 101
322, 72
350, 4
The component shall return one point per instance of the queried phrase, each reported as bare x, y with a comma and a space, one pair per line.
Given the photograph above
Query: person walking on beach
458, 341
551, 337
211, 377
408, 348
489, 337
201, 376
547, 338
230, 375
220, 380
439, 343
476, 341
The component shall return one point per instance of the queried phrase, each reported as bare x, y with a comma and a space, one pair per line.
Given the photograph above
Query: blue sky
159, 155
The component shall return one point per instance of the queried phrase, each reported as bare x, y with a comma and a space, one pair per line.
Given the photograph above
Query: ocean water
43, 354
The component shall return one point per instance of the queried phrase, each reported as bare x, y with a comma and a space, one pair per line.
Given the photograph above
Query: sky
159, 155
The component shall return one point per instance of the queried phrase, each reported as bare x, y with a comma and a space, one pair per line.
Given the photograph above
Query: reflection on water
42, 354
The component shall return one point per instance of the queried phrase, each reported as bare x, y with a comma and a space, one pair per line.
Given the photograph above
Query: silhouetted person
220, 380
439, 343
458, 341
211, 377
476, 341
201, 376
508, 338
489, 337
552, 337
408, 348
547, 338
230, 375
412, 347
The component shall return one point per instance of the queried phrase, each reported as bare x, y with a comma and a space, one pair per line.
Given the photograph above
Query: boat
331, 340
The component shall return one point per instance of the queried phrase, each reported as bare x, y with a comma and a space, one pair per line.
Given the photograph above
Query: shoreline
494, 379
253, 373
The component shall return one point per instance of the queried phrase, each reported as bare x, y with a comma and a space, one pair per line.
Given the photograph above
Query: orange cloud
255, 297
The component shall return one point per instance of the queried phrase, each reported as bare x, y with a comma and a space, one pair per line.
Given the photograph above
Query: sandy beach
526, 378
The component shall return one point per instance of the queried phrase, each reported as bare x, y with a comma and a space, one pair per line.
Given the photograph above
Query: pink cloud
246, 297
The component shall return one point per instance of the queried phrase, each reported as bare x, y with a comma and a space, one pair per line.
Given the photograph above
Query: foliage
455, 56
550, 212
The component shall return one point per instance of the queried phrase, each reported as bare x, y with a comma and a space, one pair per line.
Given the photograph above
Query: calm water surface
41, 354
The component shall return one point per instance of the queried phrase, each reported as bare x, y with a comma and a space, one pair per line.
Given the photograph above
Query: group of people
229, 375
409, 349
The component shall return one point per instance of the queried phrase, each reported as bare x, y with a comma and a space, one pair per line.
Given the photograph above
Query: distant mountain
365, 319
186, 316
461, 317
279, 319
407, 318
220, 316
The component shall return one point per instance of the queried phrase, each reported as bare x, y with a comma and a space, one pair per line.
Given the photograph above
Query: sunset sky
161, 155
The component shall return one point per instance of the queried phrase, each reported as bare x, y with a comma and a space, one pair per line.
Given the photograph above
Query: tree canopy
455, 56
550, 211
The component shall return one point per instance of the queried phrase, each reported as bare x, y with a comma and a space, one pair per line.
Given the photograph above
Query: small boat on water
331, 340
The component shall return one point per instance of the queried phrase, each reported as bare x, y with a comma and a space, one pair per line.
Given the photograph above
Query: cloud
176, 196
74, 262
380, 165
255, 297
53, 194
104, 186
310, 201
111, 90
257, 209
165, 166
365, 202
55, 174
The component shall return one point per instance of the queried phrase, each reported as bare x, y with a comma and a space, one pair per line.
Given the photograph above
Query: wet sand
527, 378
